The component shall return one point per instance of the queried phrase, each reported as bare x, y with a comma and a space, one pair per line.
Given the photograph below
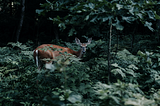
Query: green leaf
118, 25
115, 99
50, 18
87, 17
94, 19
149, 24
151, 14
132, 66
128, 19
131, 72
91, 5
151, 80
115, 65
141, 53
149, 60
75, 98
118, 71
72, 32
105, 19
131, 102
62, 25
156, 16
39, 11
119, 6
131, 10
140, 15
79, 11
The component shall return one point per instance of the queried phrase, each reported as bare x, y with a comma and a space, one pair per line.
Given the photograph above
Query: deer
51, 51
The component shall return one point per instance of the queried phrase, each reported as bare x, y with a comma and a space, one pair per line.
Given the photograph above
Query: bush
134, 78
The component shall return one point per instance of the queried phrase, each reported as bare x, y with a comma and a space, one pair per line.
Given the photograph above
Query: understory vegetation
134, 79
121, 66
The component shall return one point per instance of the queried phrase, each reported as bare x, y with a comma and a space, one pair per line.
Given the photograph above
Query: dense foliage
134, 78
121, 65
97, 15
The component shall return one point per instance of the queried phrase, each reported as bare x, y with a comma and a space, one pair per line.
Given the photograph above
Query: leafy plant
134, 78
81, 14
118, 93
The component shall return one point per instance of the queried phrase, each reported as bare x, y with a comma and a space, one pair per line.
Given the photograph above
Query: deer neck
79, 53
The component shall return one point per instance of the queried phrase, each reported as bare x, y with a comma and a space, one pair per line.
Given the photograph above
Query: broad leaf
151, 14
118, 25
128, 19
75, 98
149, 24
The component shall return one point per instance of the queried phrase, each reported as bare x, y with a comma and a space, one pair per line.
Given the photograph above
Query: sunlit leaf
118, 25
72, 32
115, 65
156, 16
39, 11
119, 6
131, 102
151, 14
131, 10
141, 53
149, 24
128, 19
75, 98
115, 99
118, 71
87, 17
140, 15
132, 66
94, 19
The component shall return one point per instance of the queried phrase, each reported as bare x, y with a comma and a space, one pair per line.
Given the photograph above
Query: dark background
39, 29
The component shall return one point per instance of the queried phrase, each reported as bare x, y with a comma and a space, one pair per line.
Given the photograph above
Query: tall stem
109, 53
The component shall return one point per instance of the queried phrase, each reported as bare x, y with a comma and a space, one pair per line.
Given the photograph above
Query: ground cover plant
134, 79
120, 67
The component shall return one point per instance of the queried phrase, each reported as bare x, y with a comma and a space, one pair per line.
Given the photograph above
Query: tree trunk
21, 20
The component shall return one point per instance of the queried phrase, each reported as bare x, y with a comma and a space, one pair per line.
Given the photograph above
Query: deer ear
89, 41
77, 41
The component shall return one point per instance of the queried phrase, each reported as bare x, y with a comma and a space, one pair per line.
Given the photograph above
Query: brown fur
50, 51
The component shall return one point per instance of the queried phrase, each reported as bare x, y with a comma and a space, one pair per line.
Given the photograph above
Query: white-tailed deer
50, 51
